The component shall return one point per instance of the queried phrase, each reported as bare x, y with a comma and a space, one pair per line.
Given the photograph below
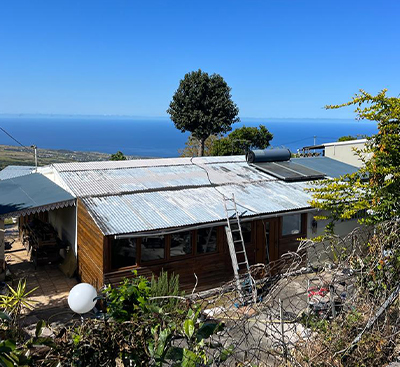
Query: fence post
332, 299
284, 349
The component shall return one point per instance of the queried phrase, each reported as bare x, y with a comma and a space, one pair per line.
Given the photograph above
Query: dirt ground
52, 286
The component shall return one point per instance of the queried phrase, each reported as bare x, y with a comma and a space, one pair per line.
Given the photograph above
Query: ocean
157, 137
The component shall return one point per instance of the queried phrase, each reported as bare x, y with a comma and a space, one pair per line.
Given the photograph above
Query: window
291, 224
123, 253
246, 232
181, 244
153, 248
206, 240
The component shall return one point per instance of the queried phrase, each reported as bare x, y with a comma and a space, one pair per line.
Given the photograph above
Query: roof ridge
125, 164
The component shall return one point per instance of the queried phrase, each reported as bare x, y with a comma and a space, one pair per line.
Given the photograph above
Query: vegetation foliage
237, 142
241, 140
202, 104
144, 324
375, 187
347, 138
119, 156
16, 300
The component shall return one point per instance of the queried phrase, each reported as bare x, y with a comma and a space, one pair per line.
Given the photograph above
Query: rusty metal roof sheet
146, 211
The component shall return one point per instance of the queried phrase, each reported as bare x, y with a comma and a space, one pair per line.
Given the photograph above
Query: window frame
156, 261
217, 247
167, 250
110, 268
301, 230
178, 257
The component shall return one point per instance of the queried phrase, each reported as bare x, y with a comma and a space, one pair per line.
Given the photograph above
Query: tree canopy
375, 187
235, 143
242, 139
202, 104
119, 156
347, 138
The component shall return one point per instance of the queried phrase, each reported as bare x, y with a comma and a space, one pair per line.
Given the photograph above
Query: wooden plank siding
90, 248
211, 269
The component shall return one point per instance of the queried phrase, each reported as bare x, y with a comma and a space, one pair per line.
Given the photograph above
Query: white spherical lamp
80, 298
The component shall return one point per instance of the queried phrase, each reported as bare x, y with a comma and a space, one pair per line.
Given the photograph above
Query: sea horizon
157, 136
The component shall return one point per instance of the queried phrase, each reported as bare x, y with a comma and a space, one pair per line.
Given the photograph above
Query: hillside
14, 155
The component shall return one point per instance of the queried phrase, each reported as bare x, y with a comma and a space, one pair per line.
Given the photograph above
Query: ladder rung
235, 230
240, 252
237, 241
244, 262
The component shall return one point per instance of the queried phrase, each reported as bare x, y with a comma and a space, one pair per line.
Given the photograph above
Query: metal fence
331, 303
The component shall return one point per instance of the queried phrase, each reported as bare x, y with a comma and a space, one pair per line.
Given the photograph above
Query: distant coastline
157, 137
18, 156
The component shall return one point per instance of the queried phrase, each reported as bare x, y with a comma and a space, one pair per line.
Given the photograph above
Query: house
154, 214
342, 151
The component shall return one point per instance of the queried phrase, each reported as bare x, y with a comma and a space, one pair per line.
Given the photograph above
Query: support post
332, 300
284, 349
34, 147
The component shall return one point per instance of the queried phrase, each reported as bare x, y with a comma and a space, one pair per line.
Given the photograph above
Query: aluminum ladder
237, 249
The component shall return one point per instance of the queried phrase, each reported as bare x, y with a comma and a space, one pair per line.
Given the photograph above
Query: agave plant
16, 300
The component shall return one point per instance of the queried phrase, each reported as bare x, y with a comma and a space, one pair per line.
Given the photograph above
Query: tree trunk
201, 147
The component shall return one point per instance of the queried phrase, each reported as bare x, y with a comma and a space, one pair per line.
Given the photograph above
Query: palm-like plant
16, 300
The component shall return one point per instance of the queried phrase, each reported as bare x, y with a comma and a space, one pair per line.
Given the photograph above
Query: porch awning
31, 194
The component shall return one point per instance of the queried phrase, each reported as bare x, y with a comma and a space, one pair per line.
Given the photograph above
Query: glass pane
153, 248
246, 233
206, 240
123, 253
291, 224
181, 244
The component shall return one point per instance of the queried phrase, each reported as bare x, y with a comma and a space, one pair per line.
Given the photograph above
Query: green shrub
166, 285
128, 299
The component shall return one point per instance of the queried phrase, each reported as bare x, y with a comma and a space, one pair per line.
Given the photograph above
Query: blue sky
282, 58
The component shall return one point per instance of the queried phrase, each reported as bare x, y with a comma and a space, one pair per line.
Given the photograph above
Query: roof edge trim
42, 208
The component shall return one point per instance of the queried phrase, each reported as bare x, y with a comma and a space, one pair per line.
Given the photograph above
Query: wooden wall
212, 269
90, 248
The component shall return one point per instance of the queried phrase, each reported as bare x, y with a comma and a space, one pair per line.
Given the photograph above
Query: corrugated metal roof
148, 211
328, 166
158, 162
15, 171
31, 193
136, 179
154, 194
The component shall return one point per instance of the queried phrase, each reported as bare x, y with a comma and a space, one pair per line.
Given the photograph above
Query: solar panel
288, 171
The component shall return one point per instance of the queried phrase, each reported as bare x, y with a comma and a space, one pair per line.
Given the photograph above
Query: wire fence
332, 303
